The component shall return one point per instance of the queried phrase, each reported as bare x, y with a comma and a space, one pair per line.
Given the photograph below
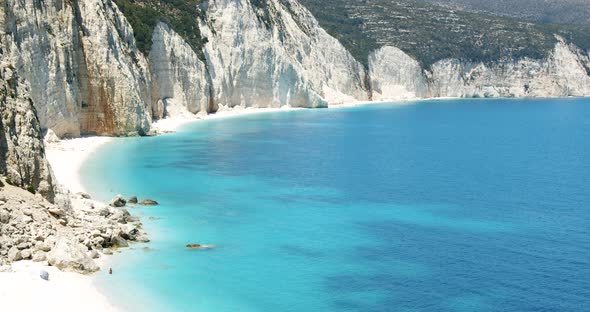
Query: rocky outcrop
564, 72
32, 228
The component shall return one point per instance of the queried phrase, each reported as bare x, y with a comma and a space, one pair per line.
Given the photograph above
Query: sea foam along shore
21, 289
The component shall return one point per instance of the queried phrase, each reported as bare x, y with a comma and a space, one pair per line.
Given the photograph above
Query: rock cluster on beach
68, 238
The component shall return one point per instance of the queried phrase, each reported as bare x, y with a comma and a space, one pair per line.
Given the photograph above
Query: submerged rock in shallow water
148, 202
199, 246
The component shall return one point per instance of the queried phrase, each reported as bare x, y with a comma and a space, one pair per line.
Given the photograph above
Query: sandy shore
23, 290
67, 156
180, 117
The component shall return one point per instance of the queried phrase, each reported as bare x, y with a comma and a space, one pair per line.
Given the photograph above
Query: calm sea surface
466, 205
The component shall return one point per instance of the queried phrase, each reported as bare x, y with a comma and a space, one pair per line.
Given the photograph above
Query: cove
455, 205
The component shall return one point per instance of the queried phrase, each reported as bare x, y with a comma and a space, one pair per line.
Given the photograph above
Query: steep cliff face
563, 73
22, 153
80, 58
396, 75
114, 76
179, 75
275, 54
41, 40
88, 77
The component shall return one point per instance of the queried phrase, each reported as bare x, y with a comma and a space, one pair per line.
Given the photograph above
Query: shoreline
66, 157
21, 288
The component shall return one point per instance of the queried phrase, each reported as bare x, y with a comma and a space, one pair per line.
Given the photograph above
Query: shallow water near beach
456, 205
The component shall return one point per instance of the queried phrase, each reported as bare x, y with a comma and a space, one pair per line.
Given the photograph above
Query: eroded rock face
86, 75
395, 75
178, 74
563, 73
276, 56
115, 79
22, 153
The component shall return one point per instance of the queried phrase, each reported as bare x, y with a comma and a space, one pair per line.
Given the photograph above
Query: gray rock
132, 200
4, 217
118, 201
84, 195
55, 211
42, 246
104, 212
131, 219
142, 238
39, 256
94, 254
44, 275
119, 241
98, 241
148, 202
25, 254
14, 254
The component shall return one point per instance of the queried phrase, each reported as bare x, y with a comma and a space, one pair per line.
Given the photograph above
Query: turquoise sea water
466, 205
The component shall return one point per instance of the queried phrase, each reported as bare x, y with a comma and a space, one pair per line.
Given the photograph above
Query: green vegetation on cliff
431, 33
180, 15
546, 11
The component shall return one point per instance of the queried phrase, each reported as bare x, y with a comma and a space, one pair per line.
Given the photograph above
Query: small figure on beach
110, 270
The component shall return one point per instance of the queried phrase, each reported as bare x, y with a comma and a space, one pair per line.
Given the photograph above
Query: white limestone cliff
86, 74
277, 56
178, 74
22, 153
564, 72
115, 79
396, 76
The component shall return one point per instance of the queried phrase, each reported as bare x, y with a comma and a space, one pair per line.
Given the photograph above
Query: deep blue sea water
457, 205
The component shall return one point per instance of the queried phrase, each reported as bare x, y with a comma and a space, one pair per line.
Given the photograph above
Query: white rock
69, 256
